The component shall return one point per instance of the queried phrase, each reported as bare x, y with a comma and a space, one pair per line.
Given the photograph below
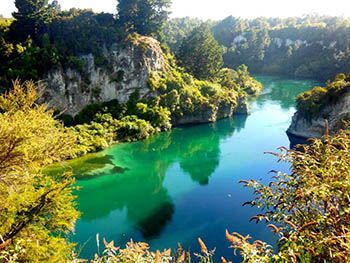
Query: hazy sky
218, 9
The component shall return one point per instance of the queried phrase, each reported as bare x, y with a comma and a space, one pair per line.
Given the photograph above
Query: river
183, 184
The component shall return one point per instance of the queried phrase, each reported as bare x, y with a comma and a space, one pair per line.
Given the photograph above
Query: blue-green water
183, 184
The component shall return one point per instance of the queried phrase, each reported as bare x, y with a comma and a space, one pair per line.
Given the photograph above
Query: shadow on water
296, 142
153, 225
85, 167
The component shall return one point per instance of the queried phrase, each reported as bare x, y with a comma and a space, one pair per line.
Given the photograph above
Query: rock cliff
336, 112
127, 67
207, 113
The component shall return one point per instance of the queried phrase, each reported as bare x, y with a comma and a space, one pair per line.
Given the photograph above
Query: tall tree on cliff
32, 16
146, 17
200, 54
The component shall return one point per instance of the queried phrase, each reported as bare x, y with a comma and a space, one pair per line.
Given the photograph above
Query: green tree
200, 54
36, 210
32, 17
146, 17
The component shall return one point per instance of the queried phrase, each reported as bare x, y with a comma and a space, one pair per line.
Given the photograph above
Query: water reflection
137, 188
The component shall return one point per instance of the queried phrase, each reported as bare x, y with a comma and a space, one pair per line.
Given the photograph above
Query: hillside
290, 46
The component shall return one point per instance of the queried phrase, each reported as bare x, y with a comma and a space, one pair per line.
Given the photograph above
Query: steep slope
127, 67
330, 103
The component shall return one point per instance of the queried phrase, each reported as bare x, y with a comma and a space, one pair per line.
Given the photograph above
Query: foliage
89, 112
139, 252
31, 19
131, 128
59, 42
200, 54
184, 95
36, 210
241, 77
310, 206
310, 103
146, 17
93, 137
177, 29
101, 125
290, 46
75, 32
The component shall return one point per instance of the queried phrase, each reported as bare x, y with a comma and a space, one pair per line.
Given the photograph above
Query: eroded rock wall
336, 113
127, 68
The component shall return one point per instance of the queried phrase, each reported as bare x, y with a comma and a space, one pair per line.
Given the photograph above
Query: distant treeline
308, 47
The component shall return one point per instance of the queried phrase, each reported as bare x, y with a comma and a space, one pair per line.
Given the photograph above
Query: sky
218, 9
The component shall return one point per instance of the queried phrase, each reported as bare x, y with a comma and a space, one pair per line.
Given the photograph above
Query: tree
32, 16
200, 54
146, 17
36, 210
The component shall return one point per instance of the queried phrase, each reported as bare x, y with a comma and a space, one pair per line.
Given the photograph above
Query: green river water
183, 184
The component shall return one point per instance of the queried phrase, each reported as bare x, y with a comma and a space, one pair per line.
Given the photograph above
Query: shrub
37, 210
309, 208
310, 103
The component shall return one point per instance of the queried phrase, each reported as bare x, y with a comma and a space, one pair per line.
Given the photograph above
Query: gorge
184, 183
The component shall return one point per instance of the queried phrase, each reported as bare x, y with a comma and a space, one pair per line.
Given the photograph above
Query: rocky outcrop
207, 113
127, 67
335, 113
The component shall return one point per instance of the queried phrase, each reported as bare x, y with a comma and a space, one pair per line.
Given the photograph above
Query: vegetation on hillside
143, 17
180, 95
289, 46
102, 126
310, 103
176, 29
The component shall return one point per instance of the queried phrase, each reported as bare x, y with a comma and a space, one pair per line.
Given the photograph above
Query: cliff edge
330, 103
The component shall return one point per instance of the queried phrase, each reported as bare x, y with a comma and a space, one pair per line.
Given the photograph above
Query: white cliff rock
335, 113
128, 67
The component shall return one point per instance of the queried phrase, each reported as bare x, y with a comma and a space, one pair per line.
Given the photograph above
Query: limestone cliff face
335, 113
127, 67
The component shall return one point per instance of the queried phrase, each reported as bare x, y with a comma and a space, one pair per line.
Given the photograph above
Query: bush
309, 208
37, 210
131, 128
310, 103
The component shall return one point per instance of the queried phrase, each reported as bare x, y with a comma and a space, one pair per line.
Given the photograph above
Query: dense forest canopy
312, 46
